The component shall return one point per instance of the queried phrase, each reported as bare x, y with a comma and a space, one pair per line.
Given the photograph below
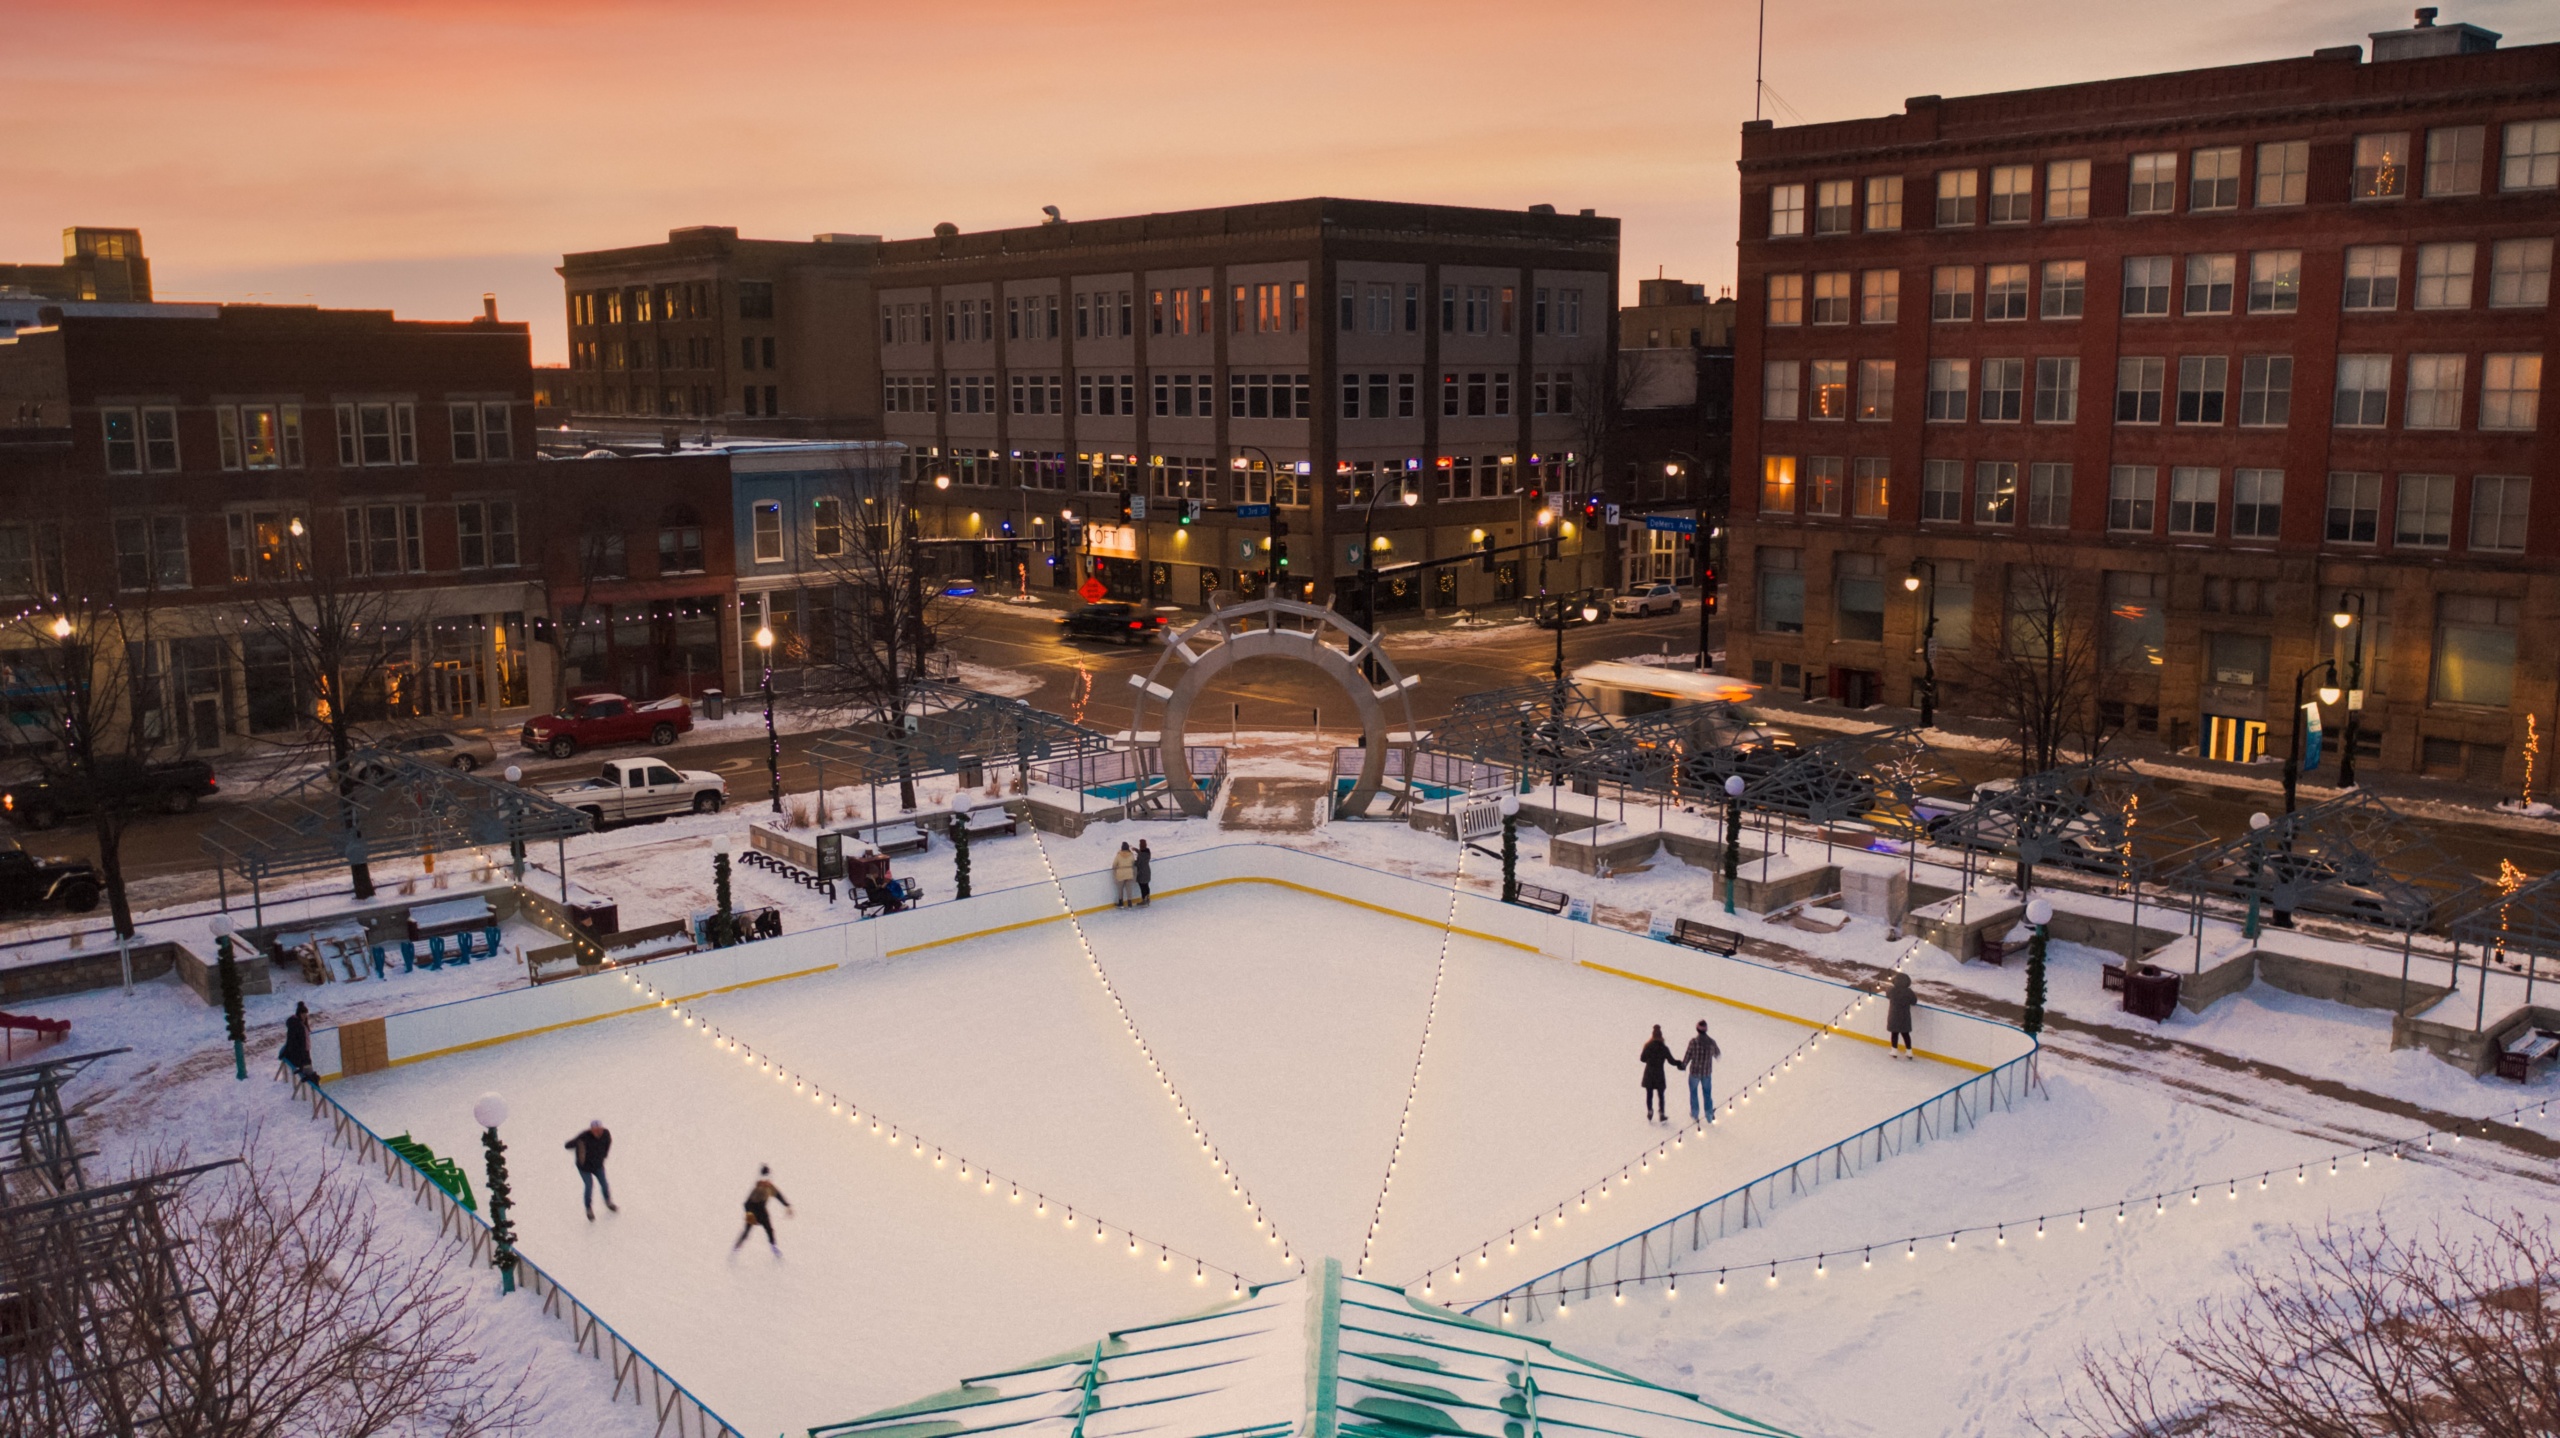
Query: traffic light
1591, 509
1484, 551
1124, 506
1280, 551
1707, 591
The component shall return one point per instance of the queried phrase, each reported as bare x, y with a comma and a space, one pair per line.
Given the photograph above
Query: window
1875, 389
1880, 297
1786, 211
2453, 160
826, 527
2355, 507
680, 549
2153, 189
259, 541
2364, 391
1786, 299
1949, 380
2266, 391
263, 436
1835, 207
2004, 383
2131, 488
1569, 312
2435, 393
1830, 390
1942, 490
151, 551
2382, 163
485, 534
2531, 160
2498, 507
2373, 277
1831, 298
1858, 597
2520, 274
1781, 591
2284, 173
2066, 289
123, 440
2049, 496
2475, 658
1951, 293
2209, 280
2426, 512
2013, 190
2138, 383
1884, 202
2005, 292
2204, 382
2213, 179
1778, 484
2257, 503
1956, 194
1871, 491
755, 299
2510, 391
2066, 190
1780, 381
2147, 283
1553, 393
377, 434
1285, 396
2444, 276
768, 531
1823, 483
2194, 494
1995, 492
384, 539
2275, 282
2057, 389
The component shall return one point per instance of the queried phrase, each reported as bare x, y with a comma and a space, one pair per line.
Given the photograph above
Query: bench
2533, 1046
452, 916
897, 838
900, 894
1706, 938
1545, 901
990, 824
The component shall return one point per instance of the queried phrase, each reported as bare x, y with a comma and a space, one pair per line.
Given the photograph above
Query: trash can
714, 704
2151, 994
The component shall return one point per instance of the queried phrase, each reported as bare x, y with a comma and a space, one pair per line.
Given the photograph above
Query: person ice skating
1124, 878
1700, 1061
1897, 1014
1656, 1053
588, 1148
1142, 867
759, 1210
296, 1053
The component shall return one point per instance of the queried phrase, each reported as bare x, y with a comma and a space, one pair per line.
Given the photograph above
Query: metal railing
1651, 1255
649, 1385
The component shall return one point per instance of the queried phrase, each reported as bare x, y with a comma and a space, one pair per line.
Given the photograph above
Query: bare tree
2042, 681
2355, 1332
74, 665
602, 553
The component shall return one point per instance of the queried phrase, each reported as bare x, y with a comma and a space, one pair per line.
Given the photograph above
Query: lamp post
2293, 755
1928, 641
1511, 845
2257, 874
1271, 540
2039, 914
1733, 787
2355, 682
234, 1022
772, 740
489, 1112
1369, 555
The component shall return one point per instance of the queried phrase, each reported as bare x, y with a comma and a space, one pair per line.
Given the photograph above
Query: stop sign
1091, 591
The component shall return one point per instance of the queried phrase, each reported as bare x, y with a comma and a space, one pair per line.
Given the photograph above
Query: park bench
1545, 901
990, 823
893, 838
2519, 1057
1707, 938
907, 892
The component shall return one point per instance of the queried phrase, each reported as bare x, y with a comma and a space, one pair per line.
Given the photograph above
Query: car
27, 882
464, 752
1646, 599
1590, 606
595, 719
1123, 622
170, 786
628, 789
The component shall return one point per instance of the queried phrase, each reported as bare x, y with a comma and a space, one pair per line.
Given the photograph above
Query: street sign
1253, 511
1672, 522
1613, 514
1091, 591
1137, 506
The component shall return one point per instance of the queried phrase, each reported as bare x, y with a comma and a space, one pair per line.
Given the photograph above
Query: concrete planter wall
1784, 882
205, 975
1590, 850
1964, 940
101, 969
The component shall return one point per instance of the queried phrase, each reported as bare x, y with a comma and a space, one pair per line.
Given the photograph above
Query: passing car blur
1644, 599
1123, 622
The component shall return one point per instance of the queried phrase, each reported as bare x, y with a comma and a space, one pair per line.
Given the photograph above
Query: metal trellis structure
35, 1129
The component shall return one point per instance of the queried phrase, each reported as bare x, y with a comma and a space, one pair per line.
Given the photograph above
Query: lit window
1786, 299
2510, 391
2382, 164
1880, 297
2275, 282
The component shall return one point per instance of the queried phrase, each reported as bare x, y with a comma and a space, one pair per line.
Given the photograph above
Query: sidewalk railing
1650, 1256
676, 1410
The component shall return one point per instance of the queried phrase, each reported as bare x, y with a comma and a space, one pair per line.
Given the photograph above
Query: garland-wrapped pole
490, 1112
234, 1021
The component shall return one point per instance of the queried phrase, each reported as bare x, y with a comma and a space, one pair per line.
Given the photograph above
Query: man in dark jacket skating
759, 1210
1654, 1055
588, 1148
1898, 1003
296, 1053
1700, 1061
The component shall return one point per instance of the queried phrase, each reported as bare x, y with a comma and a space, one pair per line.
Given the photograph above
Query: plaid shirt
1702, 1055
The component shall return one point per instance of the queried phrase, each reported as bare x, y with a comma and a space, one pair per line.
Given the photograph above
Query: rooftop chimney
2427, 38
488, 307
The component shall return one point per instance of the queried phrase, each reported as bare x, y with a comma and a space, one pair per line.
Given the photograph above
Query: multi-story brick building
1673, 447
1333, 358
2234, 349
711, 332
97, 264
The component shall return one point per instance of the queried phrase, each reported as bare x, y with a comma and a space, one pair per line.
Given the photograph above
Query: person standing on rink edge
1124, 878
1898, 1001
1700, 1061
1142, 867
1655, 1054
759, 1210
587, 1147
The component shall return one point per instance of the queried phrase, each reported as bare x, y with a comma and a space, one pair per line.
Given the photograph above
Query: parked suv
27, 882
594, 719
1646, 599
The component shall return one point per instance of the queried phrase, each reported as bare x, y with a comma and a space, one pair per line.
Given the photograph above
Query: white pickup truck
627, 789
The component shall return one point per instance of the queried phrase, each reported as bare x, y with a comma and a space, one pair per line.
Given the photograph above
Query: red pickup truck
595, 719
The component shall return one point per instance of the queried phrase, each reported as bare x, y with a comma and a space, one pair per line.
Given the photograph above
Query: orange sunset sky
412, 155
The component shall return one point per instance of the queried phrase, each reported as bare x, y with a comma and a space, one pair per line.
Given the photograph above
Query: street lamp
1408, 497
772, 741
2293, 755
2355, 682
490, 1112
2257, 873
1733, 787
1928, 642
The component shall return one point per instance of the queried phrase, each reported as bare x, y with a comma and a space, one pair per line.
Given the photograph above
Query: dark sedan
1123, 622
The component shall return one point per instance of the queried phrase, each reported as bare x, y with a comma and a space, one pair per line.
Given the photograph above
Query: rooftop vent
2426, 38
1542, 209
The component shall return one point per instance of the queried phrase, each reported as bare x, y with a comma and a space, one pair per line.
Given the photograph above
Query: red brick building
2233, 348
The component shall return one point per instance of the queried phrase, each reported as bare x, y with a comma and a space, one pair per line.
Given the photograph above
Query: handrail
651, 1386
1759, 1197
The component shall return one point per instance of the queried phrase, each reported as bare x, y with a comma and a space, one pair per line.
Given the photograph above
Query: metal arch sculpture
1231, 636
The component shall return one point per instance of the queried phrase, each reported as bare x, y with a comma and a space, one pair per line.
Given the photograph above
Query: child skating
759, 1210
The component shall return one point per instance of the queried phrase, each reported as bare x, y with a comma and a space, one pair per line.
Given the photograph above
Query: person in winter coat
1898, 1003
1700, 1061
296, 1053
1124, 878
1143, 869
1655, 1054
587, 1149
759, 1210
